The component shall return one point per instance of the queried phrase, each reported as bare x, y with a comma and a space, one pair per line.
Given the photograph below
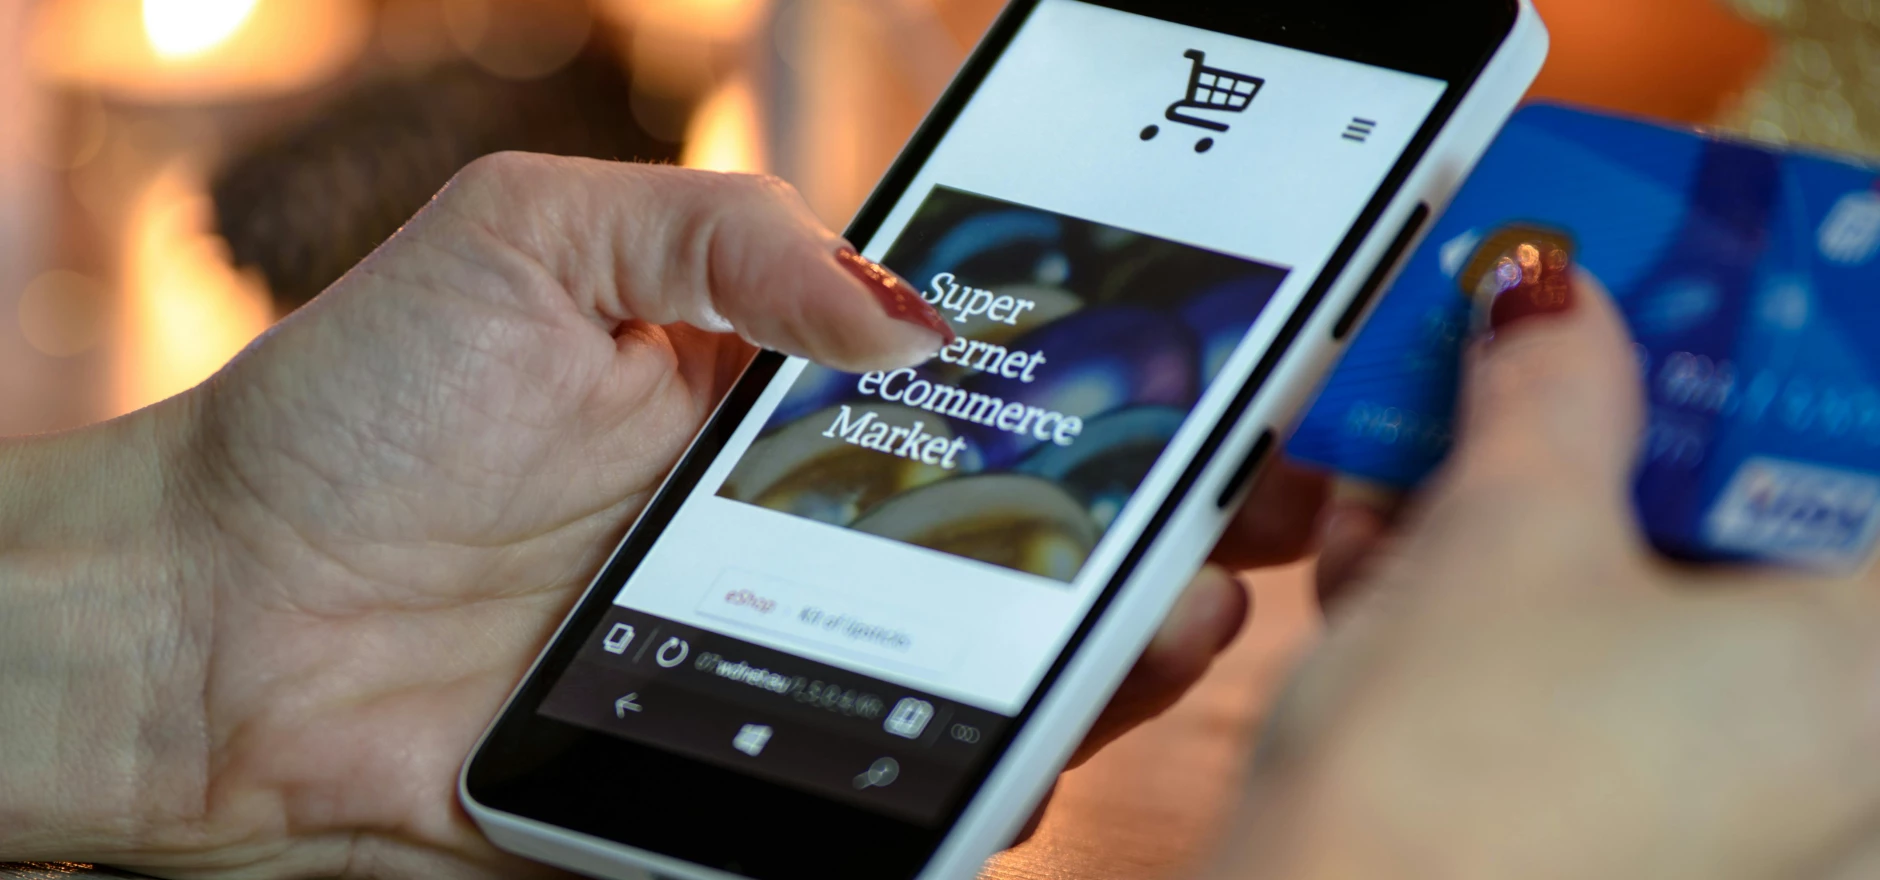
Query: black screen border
644, 797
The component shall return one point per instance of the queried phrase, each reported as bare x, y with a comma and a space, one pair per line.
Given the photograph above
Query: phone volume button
1375, 282
1244, 473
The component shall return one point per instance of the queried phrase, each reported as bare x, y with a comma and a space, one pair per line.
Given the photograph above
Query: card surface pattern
1750, 282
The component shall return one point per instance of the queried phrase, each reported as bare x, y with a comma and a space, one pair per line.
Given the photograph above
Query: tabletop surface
1152, 805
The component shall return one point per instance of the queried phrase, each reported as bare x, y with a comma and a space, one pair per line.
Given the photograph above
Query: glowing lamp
195, 51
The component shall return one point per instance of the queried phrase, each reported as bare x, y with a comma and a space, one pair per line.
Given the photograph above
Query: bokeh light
63, 313
520, 41
721, 21
191, 52
189, 309
180, 28
726, 132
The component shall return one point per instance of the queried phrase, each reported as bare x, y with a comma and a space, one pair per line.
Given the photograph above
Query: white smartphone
867, 619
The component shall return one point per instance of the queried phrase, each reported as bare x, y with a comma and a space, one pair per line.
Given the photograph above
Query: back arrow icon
626, 704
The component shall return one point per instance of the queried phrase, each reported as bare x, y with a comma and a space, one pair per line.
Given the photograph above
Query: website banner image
1082, 348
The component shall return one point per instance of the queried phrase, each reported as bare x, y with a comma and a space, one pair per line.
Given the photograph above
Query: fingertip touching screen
877, 572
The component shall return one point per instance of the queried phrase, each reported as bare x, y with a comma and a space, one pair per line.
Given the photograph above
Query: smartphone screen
876, 573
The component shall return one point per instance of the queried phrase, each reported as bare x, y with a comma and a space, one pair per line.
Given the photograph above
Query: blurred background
175, 175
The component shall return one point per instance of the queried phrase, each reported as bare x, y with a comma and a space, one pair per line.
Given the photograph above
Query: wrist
101, 734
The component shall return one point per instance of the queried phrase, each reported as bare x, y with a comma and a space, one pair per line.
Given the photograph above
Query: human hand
1516, 687
389, 502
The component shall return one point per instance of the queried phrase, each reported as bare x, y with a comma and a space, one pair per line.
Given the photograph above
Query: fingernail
1519, 274
898, 298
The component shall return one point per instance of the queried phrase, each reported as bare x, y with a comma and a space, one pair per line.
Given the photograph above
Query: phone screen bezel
644, 797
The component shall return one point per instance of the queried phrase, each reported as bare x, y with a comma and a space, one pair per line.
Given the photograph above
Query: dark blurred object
306, 204
59, 871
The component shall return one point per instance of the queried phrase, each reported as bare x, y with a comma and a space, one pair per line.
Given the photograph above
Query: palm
414, 518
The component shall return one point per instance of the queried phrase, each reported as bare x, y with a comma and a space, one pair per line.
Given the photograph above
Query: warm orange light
519, 41
181, 28
186, 310
713, 20
725, 133
63, 313
195, 51
679, 46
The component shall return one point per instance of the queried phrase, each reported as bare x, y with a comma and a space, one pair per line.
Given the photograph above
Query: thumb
1552, 405
662, 245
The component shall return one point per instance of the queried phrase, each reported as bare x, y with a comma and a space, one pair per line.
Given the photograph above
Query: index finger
722, 252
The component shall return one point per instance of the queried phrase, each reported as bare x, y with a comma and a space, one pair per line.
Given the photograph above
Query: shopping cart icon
1211, 89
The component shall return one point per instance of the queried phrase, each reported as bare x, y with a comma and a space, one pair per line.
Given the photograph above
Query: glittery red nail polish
898, 298
1517, 275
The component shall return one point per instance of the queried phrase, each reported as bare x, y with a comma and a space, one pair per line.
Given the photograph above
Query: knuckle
487, 180
719, 197
702, 256
751, 190
739, 221
768, 185
498, 169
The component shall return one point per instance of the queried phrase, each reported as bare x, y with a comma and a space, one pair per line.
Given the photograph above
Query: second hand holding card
1746, 276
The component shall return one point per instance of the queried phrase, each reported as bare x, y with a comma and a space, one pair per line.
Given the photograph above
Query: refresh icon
672, 653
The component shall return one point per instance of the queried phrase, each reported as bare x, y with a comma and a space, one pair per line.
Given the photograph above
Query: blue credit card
1750, 281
